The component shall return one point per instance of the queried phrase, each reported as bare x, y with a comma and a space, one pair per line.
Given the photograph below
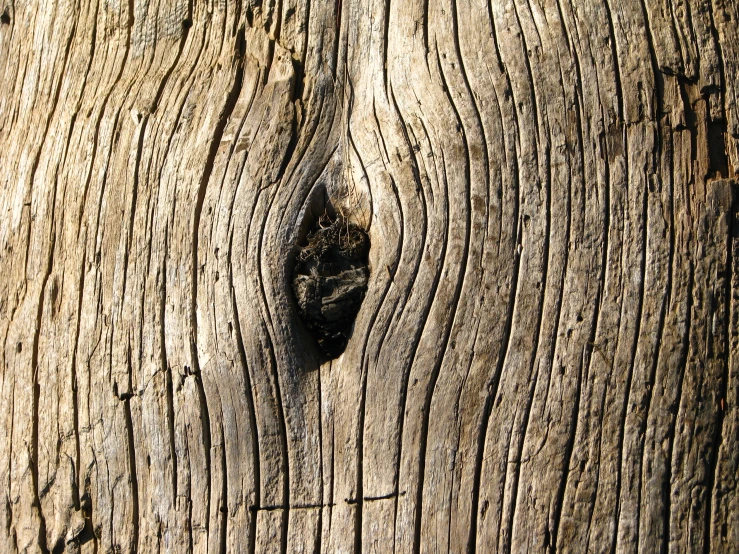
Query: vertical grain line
73, 384
569, 445
507, 538
568, 450
385, 44
359, 507
207, 439
713, 461
651, 380
270, 348
300, 74
494, 382
616, 66
223, 118
165, 367
322, 502
285, 512
140, 144
74, 118
37, 392
135, 520
426, 22
223, 508
545, 254
248, 393
532, 82
658, 93
583, 371
47, 272
340, 29
643, 250
52, 114
676, 410
492, 391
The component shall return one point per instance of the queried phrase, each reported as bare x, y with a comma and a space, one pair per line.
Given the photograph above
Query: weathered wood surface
547, 357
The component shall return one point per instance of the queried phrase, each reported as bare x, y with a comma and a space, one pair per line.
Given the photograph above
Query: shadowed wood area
546, 358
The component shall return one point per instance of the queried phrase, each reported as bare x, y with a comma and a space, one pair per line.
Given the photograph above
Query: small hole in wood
5, 17
330, 280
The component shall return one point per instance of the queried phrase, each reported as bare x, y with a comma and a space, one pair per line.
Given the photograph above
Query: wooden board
547, 355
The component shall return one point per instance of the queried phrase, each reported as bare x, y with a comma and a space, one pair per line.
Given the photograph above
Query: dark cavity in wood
330, 280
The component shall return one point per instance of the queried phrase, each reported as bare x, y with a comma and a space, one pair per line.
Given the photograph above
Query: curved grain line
404, 299
486, 173
450, 319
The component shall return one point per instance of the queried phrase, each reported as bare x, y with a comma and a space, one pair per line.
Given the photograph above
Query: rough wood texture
547, 356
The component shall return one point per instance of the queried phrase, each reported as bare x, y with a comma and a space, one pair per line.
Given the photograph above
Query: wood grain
547, 355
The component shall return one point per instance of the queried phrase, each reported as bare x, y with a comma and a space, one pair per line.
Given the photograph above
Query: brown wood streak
547, 357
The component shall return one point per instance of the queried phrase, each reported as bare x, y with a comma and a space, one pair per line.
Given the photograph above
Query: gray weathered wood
547, 355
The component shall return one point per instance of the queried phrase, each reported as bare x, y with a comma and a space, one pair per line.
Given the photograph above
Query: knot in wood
330, 280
